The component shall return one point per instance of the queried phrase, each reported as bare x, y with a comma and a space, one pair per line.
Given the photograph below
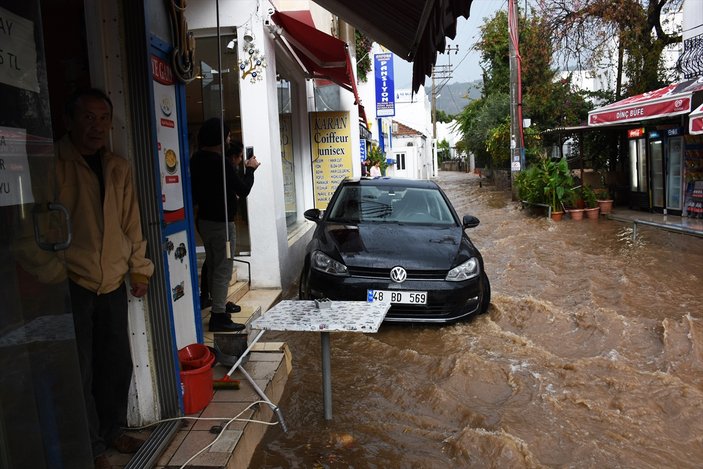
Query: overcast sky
464, 63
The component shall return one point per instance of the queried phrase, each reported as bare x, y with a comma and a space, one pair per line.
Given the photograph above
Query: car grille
386, 273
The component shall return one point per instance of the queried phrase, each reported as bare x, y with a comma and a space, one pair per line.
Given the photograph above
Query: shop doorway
42, 418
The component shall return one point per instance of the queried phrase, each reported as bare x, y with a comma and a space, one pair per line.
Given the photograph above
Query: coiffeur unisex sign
330, 138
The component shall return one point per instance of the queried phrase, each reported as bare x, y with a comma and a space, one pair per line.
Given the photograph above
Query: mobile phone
250, 152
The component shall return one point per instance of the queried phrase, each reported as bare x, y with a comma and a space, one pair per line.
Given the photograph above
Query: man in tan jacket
96, 187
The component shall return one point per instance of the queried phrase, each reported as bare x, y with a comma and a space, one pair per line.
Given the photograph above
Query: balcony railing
690, 63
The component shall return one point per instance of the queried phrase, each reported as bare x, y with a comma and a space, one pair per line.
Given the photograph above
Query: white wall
692, 22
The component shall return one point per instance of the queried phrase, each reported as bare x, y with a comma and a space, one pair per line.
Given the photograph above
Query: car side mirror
470, 221
312, 214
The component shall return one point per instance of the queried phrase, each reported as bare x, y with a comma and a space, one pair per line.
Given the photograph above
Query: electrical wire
219, 419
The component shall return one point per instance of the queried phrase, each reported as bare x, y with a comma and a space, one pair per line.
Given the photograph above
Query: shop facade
663, 156
166, 69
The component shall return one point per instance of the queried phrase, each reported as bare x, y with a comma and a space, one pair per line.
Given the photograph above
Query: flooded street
591, 356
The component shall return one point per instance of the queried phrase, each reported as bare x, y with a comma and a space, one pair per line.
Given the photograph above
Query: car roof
390, 181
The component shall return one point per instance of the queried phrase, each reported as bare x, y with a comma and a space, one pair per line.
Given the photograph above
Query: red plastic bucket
194, 356
196, 384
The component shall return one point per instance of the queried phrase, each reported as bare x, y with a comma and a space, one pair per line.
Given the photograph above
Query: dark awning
671, 100
415, 30
320, 55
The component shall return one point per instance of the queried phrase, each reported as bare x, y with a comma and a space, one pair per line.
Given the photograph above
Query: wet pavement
591, 355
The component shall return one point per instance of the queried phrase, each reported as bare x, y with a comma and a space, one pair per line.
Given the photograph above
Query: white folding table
339, 316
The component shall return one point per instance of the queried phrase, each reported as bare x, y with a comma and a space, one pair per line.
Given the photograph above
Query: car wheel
486, 298
304, 287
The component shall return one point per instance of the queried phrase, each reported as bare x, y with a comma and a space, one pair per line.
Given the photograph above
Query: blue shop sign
385, 84
362, 148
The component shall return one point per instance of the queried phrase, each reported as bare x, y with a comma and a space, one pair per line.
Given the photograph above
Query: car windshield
387, 204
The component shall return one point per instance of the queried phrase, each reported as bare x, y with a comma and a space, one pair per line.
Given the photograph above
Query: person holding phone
216, 199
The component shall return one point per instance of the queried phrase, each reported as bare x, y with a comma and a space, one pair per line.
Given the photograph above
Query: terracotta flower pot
557, 216
576, 213
606, 206
592, 213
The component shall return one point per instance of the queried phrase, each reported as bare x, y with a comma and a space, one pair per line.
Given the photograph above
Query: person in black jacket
216, 199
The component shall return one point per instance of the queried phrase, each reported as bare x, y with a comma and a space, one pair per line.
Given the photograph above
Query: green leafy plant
558, 182
602, 194
589, 197
546, 182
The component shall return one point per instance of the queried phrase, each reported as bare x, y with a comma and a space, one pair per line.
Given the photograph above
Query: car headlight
321, 261
465, 271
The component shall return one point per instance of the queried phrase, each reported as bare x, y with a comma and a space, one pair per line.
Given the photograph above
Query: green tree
443, 151
548, 101
444, 117
588, 31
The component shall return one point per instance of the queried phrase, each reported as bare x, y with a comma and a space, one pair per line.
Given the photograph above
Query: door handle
62, 245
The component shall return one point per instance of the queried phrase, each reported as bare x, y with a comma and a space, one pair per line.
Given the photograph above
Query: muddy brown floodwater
591, 356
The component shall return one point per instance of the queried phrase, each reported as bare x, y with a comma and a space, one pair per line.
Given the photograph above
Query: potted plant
605, 201
573, 208
558, 185
591, 202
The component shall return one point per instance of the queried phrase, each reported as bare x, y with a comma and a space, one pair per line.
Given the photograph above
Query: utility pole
517, 151
441, 72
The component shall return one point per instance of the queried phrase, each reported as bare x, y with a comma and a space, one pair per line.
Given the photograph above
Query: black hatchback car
398, 241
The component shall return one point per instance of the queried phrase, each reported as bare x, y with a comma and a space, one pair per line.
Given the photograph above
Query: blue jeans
219, 266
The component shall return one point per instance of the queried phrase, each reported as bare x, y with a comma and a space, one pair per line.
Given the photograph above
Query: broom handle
246, 352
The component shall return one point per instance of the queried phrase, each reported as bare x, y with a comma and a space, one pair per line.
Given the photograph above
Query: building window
400, 161
287, 149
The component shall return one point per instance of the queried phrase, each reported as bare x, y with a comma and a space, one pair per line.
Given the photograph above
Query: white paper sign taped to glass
385, 87
15, 182
18, 53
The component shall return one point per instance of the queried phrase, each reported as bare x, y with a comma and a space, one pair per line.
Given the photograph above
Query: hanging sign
15, 182
18, 53
330, 137
167, 137
385, 88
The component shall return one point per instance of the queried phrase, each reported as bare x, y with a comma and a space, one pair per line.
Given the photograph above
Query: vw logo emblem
398, 274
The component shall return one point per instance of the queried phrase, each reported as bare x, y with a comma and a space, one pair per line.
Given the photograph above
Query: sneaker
221, 323
232, 308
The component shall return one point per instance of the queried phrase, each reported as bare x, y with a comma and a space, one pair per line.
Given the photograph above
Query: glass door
656, 150
674, 173
42, 416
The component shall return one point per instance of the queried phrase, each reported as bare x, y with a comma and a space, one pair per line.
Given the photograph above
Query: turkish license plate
394, 296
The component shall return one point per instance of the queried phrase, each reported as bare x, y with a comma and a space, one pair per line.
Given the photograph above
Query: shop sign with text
331, 150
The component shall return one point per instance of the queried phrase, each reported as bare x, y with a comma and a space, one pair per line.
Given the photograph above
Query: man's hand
139, 289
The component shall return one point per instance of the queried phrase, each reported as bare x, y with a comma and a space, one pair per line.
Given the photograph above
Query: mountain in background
453, 97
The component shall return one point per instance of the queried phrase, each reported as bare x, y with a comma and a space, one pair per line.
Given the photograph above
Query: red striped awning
695, 121
671, 100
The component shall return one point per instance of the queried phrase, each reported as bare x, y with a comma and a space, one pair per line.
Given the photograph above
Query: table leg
326, 375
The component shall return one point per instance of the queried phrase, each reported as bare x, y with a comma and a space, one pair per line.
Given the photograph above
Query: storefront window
212, 91
287, 152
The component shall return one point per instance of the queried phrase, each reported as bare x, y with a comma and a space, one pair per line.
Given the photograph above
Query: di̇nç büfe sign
331, 152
